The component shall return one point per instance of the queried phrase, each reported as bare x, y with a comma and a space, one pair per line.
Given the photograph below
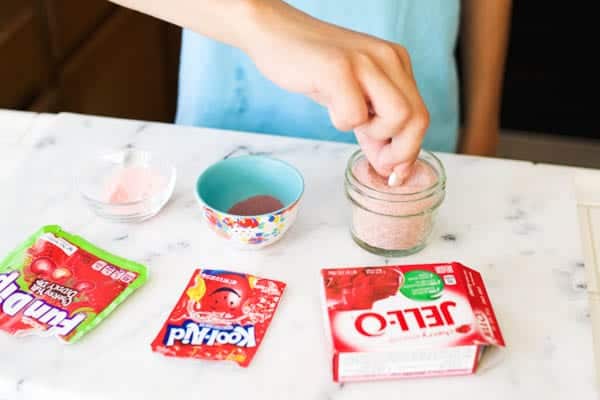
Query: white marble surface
516, 222
15, 129
15, 125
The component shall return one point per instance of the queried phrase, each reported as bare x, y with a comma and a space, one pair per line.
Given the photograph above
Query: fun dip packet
58, 284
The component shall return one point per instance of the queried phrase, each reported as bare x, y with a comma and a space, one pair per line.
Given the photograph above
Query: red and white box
407, 321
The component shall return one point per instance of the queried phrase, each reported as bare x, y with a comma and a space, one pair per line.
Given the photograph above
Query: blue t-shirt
219, 86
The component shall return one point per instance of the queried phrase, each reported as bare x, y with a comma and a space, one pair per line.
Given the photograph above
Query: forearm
484, 38
347, 72
228, 21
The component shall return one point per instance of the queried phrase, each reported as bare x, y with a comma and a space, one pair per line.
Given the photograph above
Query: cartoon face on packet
226, 292
220, 316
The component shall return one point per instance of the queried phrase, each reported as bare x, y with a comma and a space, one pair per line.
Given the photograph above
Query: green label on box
422, 285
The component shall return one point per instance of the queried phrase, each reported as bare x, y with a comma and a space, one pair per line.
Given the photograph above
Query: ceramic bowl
232, 180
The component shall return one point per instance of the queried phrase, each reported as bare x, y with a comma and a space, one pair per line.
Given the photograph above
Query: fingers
391, 108
344, 97
400, 174
395, 62
372, 148
404, 148
404, 57
376, 95
395, 133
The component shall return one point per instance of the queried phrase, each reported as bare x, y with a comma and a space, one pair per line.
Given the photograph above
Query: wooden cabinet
71, 25
87, 57
23, 62
120, 72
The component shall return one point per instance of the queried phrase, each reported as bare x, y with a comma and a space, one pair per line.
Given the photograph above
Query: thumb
400, 174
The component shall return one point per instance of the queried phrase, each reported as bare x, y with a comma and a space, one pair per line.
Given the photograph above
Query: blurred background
93, 57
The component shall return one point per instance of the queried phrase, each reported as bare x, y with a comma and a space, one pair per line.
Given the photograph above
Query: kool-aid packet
221, 315
58, 284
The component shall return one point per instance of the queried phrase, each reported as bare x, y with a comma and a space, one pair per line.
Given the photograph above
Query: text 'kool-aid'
221, 315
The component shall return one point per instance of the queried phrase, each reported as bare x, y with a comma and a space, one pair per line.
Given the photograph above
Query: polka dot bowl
232, 180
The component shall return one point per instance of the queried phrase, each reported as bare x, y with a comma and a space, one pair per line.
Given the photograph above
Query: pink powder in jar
394, 221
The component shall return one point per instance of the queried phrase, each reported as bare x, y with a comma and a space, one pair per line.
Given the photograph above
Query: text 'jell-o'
407, 321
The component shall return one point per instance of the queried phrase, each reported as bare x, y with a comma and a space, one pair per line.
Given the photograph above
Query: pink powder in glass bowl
126, 185
394, 221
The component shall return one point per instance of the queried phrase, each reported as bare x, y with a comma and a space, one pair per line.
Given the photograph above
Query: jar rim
440, 182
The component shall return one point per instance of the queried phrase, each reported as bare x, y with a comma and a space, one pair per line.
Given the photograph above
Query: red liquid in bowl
256, 205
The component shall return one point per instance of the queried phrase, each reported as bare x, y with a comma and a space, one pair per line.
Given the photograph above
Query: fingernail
393, 179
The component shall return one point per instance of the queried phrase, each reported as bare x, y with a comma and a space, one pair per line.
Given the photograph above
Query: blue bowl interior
235, 179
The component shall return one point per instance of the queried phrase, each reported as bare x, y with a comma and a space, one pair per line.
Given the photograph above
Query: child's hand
367, 84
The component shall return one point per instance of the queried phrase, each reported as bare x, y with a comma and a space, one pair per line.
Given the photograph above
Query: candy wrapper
58, 284
221, 315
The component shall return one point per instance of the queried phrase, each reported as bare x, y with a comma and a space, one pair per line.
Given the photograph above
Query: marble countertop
515, 222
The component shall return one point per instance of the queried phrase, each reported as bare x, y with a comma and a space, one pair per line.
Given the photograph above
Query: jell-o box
407, 321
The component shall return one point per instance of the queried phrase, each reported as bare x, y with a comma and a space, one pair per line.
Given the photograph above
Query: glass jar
398, 221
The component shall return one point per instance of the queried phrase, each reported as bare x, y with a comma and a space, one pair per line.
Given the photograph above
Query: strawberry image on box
407, 321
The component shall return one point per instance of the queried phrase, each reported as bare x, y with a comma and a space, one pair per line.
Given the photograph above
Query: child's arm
348, 72
485, 27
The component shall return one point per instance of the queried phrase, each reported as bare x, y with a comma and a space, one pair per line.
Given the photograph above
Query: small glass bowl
126, 185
